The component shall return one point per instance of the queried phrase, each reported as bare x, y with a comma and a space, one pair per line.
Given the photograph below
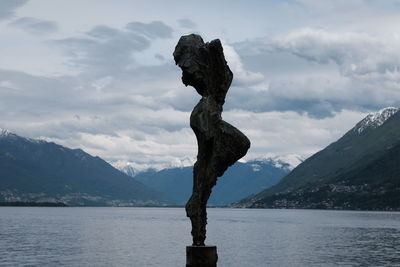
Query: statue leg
193, 211
197, 204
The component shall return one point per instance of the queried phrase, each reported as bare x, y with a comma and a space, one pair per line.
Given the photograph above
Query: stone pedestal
201, 256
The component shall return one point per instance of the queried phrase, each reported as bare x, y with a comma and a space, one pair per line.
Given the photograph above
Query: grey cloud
7, 7
103, 32
320, 73
62, 106
36, 26
155, 29
311, 85
104, 56
357, 54
104, 50
39, 95
159, 57
187, 23
308, 99
266, 102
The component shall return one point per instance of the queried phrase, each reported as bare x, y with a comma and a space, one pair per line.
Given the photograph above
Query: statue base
201, 256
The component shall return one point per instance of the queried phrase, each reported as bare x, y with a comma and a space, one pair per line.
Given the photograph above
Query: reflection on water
157, 237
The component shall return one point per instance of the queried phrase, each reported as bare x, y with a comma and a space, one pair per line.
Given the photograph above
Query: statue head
197, 59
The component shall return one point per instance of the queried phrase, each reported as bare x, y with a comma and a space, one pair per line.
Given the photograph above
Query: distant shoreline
32, 204
61, 204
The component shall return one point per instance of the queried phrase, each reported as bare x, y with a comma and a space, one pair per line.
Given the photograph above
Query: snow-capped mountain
285, 162
240, 180
133, 168
374, 120
4, 133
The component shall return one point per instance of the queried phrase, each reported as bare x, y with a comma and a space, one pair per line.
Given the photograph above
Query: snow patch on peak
181, 163
5, 132
256, 167
288, 162
374, 120
129, 168
291, 159
126, 167
14, 136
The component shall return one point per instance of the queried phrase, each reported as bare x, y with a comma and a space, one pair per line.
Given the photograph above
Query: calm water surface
157, 237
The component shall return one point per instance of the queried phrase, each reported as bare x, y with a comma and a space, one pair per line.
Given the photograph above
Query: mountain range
361, 170
239, 181
40, 171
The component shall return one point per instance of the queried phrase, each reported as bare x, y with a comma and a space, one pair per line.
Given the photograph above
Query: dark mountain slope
372, 186
32, 170
353, 156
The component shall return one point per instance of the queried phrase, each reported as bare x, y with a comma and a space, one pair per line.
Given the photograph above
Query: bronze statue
219, 144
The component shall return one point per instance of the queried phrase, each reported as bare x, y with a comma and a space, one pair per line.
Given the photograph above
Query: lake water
31, 236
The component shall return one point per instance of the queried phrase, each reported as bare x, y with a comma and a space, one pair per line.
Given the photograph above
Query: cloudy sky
99, 74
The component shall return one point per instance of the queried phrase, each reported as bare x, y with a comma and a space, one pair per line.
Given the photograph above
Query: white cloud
282, 133
241, 76
271, 133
